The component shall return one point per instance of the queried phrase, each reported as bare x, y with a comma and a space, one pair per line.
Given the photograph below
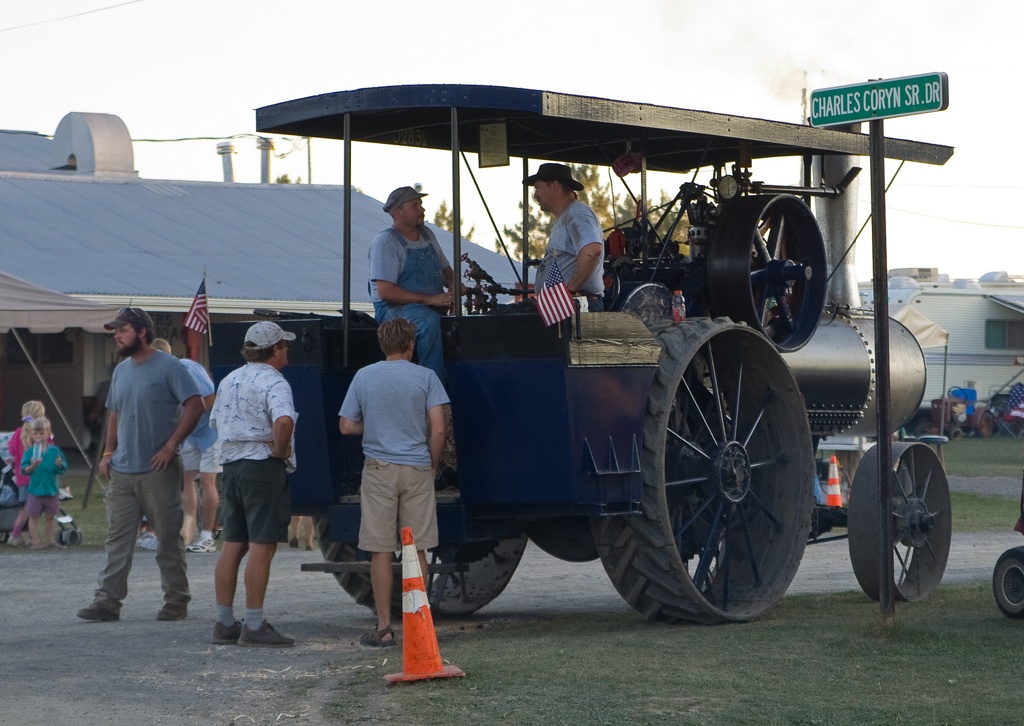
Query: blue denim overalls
421, 273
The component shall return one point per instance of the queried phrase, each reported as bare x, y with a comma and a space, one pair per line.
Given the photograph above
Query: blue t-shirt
147, 398
391, 398
43, 481
202, 436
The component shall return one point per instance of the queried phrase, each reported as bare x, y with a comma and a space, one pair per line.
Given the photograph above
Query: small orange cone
833, 494
420, 655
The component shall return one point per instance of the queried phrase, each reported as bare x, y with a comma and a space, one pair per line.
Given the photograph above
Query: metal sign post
874, 101
880, 275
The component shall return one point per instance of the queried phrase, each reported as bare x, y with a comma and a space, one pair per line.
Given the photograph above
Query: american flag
198, 316
554, 300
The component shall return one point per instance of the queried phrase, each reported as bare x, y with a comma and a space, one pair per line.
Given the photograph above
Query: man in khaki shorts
390, 404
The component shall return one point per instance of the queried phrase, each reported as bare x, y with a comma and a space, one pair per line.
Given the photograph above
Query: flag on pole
554, 301
198, 316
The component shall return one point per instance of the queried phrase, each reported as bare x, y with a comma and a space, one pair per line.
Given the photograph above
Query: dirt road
139, 670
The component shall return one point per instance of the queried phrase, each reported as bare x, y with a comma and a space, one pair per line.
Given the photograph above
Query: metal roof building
112, 237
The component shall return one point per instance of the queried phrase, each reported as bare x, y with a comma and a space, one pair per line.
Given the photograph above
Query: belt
591, 297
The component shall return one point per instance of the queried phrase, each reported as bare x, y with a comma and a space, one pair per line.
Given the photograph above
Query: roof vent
92, 143
903, 283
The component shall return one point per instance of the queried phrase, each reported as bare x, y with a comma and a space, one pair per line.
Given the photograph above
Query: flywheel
767, 268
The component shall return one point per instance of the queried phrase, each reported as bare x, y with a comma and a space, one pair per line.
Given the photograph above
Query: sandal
375, 638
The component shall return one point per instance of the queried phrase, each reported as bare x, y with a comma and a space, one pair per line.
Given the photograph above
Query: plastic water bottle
678, 307
37, 452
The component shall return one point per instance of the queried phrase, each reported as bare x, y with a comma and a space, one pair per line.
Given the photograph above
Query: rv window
1004, 334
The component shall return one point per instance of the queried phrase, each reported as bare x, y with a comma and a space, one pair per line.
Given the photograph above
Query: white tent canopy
929, 334
24, 305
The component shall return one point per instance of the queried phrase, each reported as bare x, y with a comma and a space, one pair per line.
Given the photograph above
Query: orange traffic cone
420, 655
833, 494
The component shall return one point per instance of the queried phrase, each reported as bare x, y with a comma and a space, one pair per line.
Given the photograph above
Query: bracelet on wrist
107, 453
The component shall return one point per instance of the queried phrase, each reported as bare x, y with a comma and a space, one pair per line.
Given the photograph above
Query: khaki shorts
205, 462
393, 496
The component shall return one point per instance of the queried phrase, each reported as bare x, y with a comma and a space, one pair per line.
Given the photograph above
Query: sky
176, 69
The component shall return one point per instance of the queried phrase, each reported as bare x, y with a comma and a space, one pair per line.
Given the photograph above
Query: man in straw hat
409, 274
577, 241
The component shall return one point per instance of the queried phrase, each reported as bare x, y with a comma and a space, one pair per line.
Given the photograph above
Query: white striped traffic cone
420, 656
833, 494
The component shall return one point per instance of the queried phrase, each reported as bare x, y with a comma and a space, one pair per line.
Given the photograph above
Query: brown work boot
173, 611
98, 613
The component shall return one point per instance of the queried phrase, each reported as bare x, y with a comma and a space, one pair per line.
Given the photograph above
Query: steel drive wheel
921, 522
1008, 583
767, 268
728, 482
490, 566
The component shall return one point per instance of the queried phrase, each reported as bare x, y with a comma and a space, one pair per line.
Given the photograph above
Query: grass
810, 660
977, 513
1000, 456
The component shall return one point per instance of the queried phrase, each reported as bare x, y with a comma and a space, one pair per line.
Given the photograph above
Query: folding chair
1011, 421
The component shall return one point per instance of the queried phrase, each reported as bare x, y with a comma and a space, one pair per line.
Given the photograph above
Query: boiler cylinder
836, 374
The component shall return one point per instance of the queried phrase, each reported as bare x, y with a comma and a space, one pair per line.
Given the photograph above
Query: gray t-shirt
572, 231
147, 398
391, 398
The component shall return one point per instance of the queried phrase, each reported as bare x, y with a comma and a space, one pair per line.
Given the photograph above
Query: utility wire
67, 17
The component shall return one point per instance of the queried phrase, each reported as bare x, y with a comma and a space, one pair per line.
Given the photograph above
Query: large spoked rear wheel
489, 567
728, 482
921, 522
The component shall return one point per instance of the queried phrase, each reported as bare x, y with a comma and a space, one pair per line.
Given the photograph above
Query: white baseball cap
266, 334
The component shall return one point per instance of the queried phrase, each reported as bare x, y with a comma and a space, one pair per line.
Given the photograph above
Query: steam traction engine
680, 455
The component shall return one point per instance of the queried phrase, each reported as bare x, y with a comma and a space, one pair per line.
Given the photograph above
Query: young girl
44, 462
19, 443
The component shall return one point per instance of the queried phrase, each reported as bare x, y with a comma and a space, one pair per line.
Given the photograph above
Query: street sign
880, 99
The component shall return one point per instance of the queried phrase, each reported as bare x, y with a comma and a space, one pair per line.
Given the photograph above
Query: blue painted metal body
535, 436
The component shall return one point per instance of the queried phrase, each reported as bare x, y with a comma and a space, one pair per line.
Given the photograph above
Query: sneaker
146, 541
226, 634
98, 613
13, 541
202, 545
173, 611
64, 494
265, 637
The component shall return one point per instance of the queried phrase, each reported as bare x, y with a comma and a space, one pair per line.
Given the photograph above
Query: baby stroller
67, 533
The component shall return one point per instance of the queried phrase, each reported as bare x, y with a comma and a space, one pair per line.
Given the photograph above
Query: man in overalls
409, 274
